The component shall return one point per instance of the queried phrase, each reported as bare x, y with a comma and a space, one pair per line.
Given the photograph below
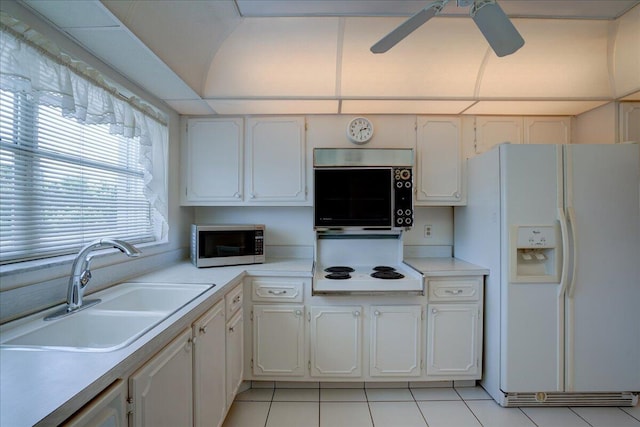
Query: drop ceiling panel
73, 13
274, 106
276, 57
440, 59
560, 59
533, 108
404, 106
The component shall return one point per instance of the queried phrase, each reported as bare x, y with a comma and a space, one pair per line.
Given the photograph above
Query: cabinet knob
298, 312
376, 313
203, 329
456, 195
356, 313
231, 329
237, 195
434, 310
252, 195
236, 299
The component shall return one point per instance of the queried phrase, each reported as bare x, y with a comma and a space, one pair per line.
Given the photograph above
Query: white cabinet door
276, 160
108, 409
439, 161
453, 339
162, 389
395, 341
336, 341
493, 130
629, 121
547, 130
213, 169
278, 340
234, 356
209, 378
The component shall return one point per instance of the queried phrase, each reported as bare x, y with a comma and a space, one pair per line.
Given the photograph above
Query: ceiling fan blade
496, 27
406, 28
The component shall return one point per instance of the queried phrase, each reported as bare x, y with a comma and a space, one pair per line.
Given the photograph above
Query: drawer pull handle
272, 292
236, 299
453, 291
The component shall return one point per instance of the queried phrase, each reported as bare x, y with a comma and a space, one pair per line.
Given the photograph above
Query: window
63, 184
78, 160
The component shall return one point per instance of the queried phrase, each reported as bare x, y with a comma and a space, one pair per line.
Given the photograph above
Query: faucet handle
85, 277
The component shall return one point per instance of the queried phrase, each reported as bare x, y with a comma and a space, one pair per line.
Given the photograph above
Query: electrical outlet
428, 231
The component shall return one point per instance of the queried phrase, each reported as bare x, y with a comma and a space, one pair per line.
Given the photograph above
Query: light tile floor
415, 407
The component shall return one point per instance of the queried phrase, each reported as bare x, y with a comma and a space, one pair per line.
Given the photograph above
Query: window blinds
64, 183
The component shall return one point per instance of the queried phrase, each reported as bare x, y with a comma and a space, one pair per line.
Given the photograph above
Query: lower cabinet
209, 368
161, 391
395, 341
278, 340
336, 341
108, 409
234, 355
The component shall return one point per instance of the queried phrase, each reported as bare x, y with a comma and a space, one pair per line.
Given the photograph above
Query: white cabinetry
161, 391
629, 121
439, 161
213, 170
547, 130
276, 160
234, 343
278, 327
395, 341
278, 340
491, 131
222, 167
108, 409
209, 369
336, 341
454, 328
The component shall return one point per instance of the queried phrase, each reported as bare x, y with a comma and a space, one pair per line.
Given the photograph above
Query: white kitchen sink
125, 313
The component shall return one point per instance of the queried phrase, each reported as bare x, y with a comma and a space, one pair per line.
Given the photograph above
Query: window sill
54, 264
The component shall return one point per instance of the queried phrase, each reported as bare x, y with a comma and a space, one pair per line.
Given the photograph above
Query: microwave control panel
403, 197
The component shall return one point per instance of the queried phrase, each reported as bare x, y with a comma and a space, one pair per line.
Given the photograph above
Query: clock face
360, 130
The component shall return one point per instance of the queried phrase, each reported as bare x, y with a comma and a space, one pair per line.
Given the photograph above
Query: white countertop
47, 387
445, 267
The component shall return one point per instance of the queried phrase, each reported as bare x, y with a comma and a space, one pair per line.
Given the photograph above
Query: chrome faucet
80, 274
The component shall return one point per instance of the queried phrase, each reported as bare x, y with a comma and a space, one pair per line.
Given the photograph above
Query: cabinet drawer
233, 300
277, 291
455, 289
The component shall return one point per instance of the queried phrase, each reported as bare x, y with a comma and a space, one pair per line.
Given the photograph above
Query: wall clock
360, 130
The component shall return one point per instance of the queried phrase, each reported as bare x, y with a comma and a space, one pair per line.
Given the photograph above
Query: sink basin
125, 313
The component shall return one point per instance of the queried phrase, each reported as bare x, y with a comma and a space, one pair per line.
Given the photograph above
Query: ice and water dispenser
535, 254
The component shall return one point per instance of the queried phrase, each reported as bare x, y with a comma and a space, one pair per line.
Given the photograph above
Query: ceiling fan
494, 24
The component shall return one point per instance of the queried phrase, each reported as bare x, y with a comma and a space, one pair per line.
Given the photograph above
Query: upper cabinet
226, 164
630, 122
493, 130
276, 160
439, 161
213, 166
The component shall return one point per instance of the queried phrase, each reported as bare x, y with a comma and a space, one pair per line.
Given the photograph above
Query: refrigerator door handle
564, 232
572, 224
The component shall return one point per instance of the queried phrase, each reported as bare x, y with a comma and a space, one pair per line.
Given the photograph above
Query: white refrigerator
559, 229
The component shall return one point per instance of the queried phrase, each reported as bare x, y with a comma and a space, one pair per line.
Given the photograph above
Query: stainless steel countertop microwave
214, 245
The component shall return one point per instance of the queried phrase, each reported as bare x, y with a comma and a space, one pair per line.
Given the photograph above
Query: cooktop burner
384, 268
338, 275
339, 269
387, 275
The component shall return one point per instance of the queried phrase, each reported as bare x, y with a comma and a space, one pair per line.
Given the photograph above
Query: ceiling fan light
496, 27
